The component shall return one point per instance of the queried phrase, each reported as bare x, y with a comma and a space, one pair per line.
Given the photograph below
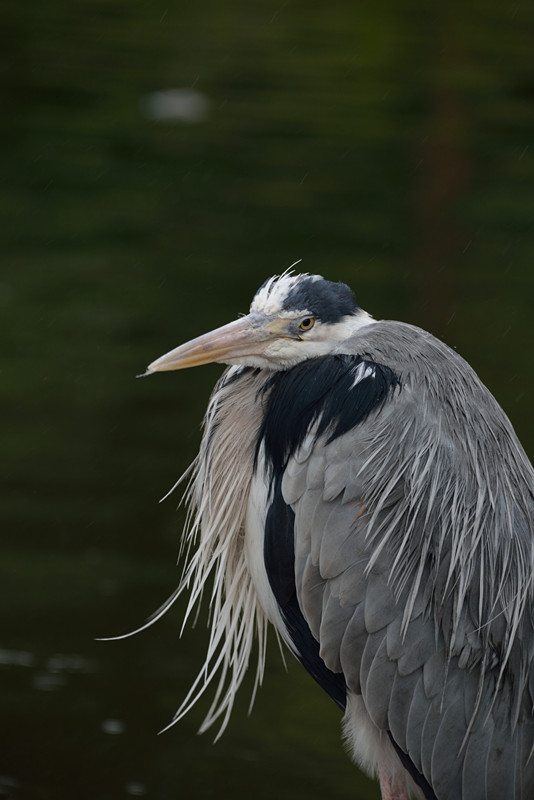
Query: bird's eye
307, 323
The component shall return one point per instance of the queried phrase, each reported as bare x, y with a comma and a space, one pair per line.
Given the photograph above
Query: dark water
390, 145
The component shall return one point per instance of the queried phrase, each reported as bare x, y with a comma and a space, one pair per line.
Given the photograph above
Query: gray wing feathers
402, 692
501, 763
332, 555
380, 606
334, 622
475, 766
413, 681
378, 685
351, 646
416, 720
434, 674
419, 645
525, 760
311, 591
445, 765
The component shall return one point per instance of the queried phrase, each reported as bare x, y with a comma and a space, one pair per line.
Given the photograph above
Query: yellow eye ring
307, 324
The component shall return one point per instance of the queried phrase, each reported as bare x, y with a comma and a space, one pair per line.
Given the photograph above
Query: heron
360, 490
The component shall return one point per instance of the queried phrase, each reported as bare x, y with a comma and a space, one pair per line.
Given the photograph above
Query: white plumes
269, 299
217, 498
362, 372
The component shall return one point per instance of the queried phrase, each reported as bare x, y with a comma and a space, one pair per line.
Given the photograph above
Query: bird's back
413, 546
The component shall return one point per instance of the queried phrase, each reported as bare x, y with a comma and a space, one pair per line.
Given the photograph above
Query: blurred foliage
388, 145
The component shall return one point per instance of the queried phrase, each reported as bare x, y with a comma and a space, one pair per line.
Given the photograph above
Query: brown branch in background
445, 169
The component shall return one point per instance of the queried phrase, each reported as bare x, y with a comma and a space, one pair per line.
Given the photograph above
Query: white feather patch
214, 545
362, 372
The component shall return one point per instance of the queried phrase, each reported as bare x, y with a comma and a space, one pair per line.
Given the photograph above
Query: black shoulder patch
327, 300
337, 392
279, 556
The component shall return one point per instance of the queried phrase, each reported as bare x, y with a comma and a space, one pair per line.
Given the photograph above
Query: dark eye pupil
306, 323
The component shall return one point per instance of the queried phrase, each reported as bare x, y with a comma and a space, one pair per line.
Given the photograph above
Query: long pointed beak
246, 336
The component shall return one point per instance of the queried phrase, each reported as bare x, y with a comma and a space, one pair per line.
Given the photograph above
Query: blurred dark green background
387, 144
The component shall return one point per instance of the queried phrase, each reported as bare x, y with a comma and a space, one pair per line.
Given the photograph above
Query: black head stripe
326, 300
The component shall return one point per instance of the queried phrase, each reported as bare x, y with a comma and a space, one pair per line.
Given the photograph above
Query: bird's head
292, 318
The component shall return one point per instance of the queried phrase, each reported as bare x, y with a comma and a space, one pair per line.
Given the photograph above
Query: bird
360, 490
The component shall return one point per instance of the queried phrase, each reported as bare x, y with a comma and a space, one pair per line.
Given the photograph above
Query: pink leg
391, 791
